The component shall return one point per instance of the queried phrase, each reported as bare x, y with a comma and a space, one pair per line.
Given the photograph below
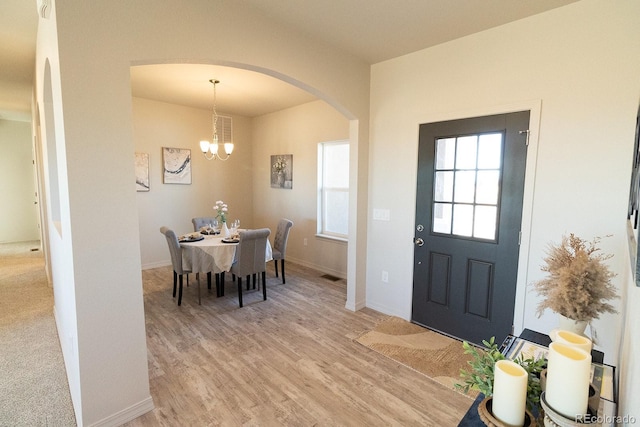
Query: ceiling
373, 30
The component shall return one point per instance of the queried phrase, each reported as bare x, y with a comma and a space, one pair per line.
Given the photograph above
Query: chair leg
240, 290
248, 282
175, 283
282, 264
222, 284
180, 291
209, 280
254, 280
275, 261
264, 285
218, 285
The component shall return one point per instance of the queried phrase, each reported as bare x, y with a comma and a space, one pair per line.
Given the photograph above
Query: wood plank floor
290, 360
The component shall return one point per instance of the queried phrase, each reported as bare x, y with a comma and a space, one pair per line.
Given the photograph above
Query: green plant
483, 361
579, 282
480, 377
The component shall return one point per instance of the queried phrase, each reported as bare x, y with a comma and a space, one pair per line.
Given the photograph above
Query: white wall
582, 62
18, 214
97, 282
297, 131
157, 125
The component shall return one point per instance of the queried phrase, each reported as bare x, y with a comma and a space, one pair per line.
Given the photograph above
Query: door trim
535, 110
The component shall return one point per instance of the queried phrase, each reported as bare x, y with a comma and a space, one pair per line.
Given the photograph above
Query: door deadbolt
420, 227
418, 241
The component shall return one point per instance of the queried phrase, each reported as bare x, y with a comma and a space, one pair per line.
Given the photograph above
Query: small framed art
282, 171
176, 165
142, 171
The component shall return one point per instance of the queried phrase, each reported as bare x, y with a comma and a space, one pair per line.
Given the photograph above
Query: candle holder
594, 393
555, 419
484, 411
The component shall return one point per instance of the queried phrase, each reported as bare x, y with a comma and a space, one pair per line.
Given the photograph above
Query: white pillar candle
573, 339
568, 376
509, 392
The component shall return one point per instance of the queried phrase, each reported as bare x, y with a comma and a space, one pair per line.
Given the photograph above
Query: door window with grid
466, 193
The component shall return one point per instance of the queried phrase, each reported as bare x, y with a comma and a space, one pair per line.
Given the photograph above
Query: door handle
418, 241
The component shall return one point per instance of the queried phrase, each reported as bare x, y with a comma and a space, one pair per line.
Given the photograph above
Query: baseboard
127, 414
321, 268
156, 264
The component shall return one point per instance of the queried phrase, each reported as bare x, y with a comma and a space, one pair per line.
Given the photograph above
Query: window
466, 189
333, 189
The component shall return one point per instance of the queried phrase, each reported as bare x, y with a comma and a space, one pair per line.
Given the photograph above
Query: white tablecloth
211, 255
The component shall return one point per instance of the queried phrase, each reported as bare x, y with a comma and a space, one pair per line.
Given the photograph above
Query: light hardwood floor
290, 360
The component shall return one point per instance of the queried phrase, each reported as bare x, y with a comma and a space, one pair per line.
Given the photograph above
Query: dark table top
472, 419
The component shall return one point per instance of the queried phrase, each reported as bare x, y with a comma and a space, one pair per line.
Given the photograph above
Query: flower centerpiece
221, 210
221, 213
579, 282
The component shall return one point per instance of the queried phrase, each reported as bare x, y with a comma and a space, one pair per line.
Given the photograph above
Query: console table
472, 419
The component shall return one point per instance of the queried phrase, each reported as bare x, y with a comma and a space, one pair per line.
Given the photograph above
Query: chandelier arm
211, 155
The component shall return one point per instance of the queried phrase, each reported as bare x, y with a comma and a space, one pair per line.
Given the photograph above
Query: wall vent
225, 129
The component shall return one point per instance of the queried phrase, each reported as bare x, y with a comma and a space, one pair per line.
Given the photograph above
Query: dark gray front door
468, 214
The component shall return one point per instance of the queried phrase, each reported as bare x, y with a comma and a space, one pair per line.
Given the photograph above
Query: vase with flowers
221, 213
578, 285
280, 169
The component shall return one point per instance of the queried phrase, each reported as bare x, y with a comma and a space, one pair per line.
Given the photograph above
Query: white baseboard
127, 414
321, 268
156, 264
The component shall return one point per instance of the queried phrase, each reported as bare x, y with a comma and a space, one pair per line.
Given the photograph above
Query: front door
468, 214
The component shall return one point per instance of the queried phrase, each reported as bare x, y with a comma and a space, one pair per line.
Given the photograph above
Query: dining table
211, 254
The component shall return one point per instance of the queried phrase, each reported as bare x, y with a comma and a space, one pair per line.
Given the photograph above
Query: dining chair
280, 244
176, 260
203, 221
250, 258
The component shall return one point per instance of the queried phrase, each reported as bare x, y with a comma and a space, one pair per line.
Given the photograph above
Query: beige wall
297, 131
18, 214
157, 125
89, 48
578, 69
243, 181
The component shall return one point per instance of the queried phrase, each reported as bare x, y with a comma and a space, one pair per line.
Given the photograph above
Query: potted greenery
480, 378
578, 285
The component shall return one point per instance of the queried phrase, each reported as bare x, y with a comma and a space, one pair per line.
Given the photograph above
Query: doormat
437, 356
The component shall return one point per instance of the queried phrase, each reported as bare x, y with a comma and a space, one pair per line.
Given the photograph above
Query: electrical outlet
305, 241
385, 276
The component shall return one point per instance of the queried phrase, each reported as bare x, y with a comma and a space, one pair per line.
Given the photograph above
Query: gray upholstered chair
250, 258
203, 221
176, 260
280, 244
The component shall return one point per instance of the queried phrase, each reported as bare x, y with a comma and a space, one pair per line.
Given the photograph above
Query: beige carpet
437, 356
33, 383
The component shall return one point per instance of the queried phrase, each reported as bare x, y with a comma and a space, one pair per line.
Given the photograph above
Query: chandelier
210, 149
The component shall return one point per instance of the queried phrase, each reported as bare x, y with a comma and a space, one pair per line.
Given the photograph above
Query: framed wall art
176, 165
282, 171
142, 171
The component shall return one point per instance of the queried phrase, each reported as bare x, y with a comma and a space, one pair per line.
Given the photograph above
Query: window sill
332, 238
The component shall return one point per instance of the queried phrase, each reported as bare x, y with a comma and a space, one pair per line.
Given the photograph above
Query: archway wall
91, 46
